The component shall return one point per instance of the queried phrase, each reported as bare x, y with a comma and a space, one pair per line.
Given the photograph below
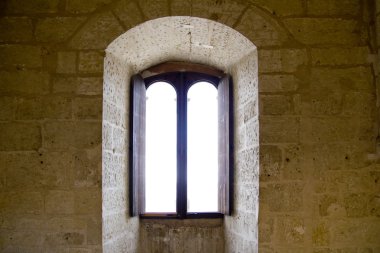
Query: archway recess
189, 39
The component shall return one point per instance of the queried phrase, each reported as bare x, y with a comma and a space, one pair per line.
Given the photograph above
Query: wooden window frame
181, 76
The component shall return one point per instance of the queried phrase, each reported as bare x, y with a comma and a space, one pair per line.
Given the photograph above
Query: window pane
202, 148
161, 148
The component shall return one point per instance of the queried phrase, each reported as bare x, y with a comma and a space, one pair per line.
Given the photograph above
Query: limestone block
152, 9
252, 134
277, 83
322, 102
292, 157
374, 205
65, 238
91, 62
247, 168
20, 55
62, 135
180, 8
32, 7
261, 29
114, 200
114, 115
284, 60
348, 79
227, 12
29, 202
276, 105
87, 167
129, 13
339, 56
66, 62
285, 197
7, 105
88, 201
24, 82
59, 202
320, 236
328, 205
15, 29
266, 229
88, 108
119, 143
20, 136
36, 170
43, 108
290, 230
78, 6
270, 163
314, 31
279, 129
348, 232
78, 85
22, 240
97, 33
107, 136
113, 170
57, 29
334, 7
331, 129
359, 104
65, 223
250, 110
281, 8
356, 204
94, 230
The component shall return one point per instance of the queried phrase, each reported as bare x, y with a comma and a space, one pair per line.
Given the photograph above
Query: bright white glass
161, 148
202, 148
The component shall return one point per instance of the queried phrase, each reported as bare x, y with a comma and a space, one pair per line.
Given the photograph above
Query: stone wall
319, 178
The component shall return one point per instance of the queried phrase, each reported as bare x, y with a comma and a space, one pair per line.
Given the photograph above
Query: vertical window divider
182, 147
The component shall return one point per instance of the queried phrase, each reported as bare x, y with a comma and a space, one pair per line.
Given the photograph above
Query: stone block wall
319, 175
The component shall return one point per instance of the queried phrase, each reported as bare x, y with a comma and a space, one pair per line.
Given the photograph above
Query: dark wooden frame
182, 80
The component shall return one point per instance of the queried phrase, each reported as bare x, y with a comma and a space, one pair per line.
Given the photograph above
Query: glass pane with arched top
202, 148
161, 148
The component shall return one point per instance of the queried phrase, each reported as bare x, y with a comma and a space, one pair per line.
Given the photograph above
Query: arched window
181, 142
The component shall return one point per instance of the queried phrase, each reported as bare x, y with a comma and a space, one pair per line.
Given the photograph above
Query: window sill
173, 216
175, 222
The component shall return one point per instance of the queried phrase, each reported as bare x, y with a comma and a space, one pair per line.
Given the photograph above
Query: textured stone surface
316, 136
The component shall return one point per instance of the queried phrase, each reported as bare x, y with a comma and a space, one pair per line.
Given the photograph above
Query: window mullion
182, 147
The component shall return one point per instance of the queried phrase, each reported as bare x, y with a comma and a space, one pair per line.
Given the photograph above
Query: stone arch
181, 39
108, 22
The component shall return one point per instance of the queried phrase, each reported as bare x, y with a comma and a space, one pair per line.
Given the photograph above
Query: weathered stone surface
32, 6
87, 168
62, 135
261, 30
20, 136
279, 129
57, 29
88, 37
27, 202
339, 56
15, 29
78, 6
59, 202
286, 60
91, 62
43, 108
313, 31
7, 105
276, 105
66, 62
88, 108
277, 83
20, 55
283, 197
78, 85
24, 82
281, 8
129, 13
291, 230
270, 163
333, 7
